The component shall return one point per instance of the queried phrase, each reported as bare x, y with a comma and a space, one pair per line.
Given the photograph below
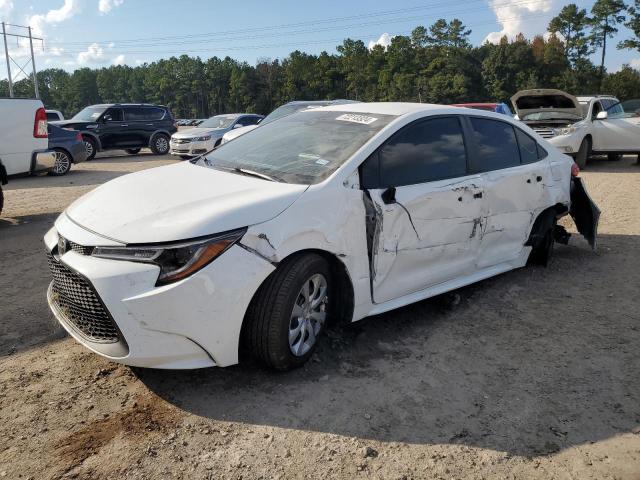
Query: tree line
435, 64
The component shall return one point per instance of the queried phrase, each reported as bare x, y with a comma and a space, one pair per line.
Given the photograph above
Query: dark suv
123, 126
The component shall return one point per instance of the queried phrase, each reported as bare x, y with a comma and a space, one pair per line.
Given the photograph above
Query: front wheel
583, 153
62, 165
160, 144
289, 312
90, 146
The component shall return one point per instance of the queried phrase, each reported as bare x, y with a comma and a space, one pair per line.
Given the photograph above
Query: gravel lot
532, 374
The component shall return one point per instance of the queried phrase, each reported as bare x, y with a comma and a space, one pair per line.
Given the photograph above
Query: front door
111, 128
620, 131
424, 209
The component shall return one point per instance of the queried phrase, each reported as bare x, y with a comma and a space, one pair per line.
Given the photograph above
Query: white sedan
347, 211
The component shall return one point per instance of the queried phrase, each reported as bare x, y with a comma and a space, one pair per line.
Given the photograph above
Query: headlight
176, 261
202, 139
565, 130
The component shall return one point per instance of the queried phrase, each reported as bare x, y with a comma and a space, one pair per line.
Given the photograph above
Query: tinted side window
528, 147
496, 144
153, 113
423, 152
52, 116
113, 115
133, 114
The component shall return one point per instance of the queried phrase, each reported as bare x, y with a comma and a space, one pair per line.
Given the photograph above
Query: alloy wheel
308, 315
88, 146
162, 145
63, 163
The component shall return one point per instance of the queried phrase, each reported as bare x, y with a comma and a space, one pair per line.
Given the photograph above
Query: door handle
477, 195
124, 125
150, 124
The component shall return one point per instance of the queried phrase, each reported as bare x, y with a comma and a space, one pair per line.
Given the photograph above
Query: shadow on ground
531, 362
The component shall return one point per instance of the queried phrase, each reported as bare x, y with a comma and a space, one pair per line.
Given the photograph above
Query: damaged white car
580, 126
332, 214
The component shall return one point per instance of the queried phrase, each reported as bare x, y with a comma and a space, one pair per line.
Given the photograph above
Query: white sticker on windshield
322, 161
352, 117
95, 114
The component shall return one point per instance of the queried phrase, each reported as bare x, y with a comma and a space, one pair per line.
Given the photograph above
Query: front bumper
193, 323
43, 161
191, 149
569, 144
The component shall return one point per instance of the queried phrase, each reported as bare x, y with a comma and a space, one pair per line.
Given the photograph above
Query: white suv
580, 126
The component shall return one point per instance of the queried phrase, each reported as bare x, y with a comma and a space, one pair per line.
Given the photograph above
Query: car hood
236, 132
179, 202
199, 132
527, 102
75, 124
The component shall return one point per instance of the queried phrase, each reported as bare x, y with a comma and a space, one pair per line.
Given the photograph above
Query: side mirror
237, 125
602, 116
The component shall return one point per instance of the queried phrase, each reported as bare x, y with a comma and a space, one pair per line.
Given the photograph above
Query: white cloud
119, 60
6, 6
635, 63
516, 18
52, 17
384, 40
55, 51
94, 54
105, 6
139, 62
111, 45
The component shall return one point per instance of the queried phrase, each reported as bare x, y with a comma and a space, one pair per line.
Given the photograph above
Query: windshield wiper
251, 173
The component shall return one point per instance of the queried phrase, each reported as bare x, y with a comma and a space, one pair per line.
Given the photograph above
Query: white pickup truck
23, 139
580, 126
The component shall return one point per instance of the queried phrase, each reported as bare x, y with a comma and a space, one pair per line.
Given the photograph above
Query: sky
96, 33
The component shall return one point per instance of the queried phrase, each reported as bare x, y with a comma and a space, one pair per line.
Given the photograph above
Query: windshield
219, 121
89, 114
628, 109
551, 116
288, 109
303, 148
584, 106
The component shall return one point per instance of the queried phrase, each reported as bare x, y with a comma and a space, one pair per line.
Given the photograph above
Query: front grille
76, 300
545, 132
81, 249
180, 141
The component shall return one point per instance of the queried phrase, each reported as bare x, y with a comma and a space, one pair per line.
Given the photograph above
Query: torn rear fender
584, 211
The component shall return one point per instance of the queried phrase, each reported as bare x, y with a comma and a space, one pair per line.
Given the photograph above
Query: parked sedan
69, 148
333, 214
207, 135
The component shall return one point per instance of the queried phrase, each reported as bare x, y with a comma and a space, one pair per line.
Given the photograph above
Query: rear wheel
1, 199
583, 153
133, 151
614, 157
160, 144
288, 313
90, 146
62, 165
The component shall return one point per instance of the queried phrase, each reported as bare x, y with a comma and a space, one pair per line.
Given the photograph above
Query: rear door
424, 208
514, 188
137, 126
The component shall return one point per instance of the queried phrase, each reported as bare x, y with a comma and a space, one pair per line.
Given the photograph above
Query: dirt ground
530, 375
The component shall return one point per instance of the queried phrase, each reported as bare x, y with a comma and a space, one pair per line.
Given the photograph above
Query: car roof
391, 108
107, 105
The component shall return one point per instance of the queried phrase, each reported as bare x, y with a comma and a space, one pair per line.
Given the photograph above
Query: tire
185, 157
1, 199
541, 254
273, 333
63, 163
614, 157
133, 151
91, 147
583, 153
160, 144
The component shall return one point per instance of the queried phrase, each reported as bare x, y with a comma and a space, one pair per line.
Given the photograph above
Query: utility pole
33, 64
6, 54
9, 59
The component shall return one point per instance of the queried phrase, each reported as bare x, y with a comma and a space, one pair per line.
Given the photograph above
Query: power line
240, 34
